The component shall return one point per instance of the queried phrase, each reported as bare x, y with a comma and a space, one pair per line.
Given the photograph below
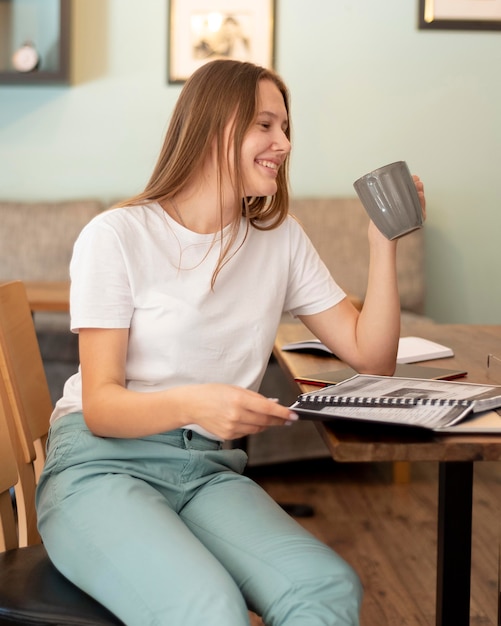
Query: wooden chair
23, 374
32, 591
22, 369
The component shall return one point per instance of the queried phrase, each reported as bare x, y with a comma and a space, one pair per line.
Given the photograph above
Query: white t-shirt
137, 268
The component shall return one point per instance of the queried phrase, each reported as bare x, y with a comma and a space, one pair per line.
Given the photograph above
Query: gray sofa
36, 241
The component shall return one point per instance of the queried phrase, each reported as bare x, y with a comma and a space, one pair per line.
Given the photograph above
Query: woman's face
265, 145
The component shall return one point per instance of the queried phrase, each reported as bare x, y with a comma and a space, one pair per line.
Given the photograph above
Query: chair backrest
18, 472
22, 369
28, 397
8, 477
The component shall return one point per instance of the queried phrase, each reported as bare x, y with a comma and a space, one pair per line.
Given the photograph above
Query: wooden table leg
455, 499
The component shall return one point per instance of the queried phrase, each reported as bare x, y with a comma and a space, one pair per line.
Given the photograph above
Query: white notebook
415, 349
410, 349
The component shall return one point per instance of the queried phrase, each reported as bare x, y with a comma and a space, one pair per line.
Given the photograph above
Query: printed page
433, 416
366, 386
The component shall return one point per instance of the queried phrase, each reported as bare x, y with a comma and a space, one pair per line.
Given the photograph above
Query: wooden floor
387, 532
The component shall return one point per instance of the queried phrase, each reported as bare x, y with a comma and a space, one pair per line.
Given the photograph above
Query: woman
176, 296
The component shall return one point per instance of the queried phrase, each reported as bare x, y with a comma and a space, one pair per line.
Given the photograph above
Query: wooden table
48, 295
455, 454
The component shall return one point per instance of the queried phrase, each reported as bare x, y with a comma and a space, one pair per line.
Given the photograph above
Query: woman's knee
340, 592
218, 605
331, 596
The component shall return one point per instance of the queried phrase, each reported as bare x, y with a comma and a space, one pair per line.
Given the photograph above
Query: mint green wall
367, 88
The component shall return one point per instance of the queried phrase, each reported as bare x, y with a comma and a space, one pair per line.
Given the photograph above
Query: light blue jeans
165, 531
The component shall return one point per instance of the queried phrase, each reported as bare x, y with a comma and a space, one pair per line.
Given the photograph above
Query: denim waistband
180, 437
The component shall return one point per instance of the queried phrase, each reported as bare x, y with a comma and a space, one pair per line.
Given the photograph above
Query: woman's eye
265, 125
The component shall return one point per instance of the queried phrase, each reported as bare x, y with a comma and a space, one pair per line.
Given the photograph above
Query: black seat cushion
32, 591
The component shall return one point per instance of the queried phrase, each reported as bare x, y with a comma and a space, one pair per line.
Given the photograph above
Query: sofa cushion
36, 238
36, 243
337, 228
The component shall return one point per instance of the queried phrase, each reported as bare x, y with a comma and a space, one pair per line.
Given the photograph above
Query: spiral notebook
436, 405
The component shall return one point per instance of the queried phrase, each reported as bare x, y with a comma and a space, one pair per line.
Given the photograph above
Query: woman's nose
283, 144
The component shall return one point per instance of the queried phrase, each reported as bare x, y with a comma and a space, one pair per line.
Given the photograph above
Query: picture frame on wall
460, 14
200, 31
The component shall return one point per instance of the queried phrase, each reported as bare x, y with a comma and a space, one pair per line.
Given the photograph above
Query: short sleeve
311, 287
100, 295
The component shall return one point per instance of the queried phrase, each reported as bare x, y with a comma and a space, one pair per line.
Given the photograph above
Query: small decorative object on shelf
35, 39
26, 58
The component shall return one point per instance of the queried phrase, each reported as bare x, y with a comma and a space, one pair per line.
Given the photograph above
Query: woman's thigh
120, 541
107, 515
285, 574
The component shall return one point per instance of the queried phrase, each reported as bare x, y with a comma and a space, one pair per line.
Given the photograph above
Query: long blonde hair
218, 93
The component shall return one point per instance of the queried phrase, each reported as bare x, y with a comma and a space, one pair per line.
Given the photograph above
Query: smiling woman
177, 295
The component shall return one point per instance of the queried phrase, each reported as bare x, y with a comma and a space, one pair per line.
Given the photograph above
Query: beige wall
367, 88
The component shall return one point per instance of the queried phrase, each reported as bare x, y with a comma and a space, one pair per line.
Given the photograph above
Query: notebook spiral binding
381, 401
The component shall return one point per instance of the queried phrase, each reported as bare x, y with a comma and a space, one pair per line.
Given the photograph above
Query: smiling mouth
269, 164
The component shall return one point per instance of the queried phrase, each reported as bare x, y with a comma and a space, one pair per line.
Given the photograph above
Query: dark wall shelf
48, 17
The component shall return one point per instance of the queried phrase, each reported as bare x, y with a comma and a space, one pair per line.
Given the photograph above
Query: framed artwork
460, 14
204, 30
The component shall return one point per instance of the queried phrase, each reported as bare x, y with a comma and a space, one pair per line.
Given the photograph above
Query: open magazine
437, 405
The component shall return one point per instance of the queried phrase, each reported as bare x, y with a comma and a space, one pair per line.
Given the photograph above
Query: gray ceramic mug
390, 199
